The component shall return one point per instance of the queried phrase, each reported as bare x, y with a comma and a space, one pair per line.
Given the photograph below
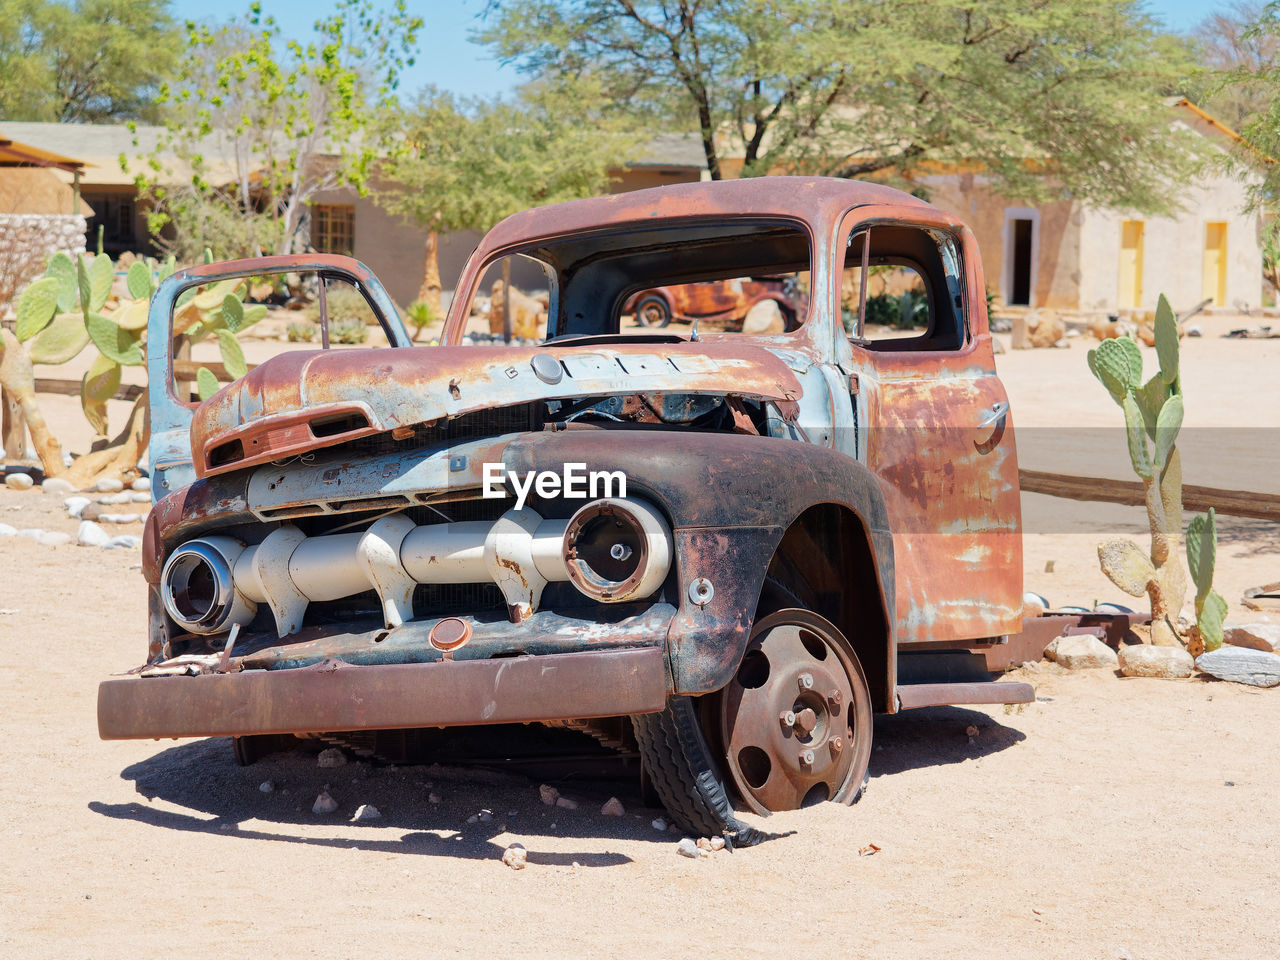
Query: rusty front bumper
336, 696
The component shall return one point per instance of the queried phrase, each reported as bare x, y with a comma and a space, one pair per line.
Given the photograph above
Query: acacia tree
1067, 88
257, 126
464, 164
84, 60
1227, 44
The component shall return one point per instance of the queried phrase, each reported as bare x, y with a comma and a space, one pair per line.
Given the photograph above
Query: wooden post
14, 428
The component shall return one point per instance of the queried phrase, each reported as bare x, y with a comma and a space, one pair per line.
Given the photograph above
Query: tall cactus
1153, 417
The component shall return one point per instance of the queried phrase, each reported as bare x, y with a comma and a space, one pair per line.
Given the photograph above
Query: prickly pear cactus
71, 306
1153, 416
1211, 608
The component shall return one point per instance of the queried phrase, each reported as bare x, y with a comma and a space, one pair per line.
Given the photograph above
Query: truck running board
913, 695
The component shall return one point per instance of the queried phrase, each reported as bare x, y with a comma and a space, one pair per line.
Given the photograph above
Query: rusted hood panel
271, 408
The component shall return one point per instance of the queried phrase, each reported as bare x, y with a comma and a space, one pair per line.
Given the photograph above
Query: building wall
28, 240
1173, 251
1055, 249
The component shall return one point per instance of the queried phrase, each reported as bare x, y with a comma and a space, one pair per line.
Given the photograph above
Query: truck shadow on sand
478, 811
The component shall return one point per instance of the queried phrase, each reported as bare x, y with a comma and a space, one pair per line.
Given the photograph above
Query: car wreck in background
816, 525
719, 304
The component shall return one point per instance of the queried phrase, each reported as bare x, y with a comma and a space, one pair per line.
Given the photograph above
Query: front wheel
653, 311
791, 729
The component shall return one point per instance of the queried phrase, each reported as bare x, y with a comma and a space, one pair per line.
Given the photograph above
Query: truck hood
305, 400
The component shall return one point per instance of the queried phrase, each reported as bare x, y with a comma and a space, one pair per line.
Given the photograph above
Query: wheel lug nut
806, 757
834, 698
836, 744
806, 681
788, 718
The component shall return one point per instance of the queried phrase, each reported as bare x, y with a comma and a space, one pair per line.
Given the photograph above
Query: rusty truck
738, 548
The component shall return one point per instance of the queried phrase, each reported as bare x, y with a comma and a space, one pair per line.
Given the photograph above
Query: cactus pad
1126, 566
60, 341
1166, 331
36, 307
1118, 364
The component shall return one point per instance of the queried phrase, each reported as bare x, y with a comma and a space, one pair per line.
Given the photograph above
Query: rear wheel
791, 729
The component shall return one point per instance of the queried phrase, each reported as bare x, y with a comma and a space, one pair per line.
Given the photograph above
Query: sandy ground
1111, 818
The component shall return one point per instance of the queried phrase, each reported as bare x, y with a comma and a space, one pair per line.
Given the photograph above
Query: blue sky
449, 60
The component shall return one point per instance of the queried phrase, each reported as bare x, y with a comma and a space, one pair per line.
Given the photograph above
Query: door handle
998, 412
995, 420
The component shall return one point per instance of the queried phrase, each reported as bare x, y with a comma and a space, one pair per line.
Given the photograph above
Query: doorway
1132, 234
1215, 263
1021, 252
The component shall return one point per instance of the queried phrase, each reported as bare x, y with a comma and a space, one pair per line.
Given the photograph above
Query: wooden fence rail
1235, 503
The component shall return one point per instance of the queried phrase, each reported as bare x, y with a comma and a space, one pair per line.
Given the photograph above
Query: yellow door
1215, 263
1131, 233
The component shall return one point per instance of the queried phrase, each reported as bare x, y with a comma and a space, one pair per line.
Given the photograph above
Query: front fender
730, 498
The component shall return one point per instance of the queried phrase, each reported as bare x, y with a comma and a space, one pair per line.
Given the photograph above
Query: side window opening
901, 290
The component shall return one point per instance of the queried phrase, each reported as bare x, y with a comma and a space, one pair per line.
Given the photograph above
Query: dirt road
1111, 818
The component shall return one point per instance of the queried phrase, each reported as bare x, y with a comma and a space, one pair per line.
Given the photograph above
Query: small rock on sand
91, 535
19, 481
659, 824
75, 505
549, 794
331, 757
366, 811
8, 531
567, 802
127, 540
108, 485
1081, 652
57, 485
687, 848
717, 843
1259, 636
142, 483
612, 808
1256, 668
51, 538
515, 857
1165, 663
266, 786
324, 803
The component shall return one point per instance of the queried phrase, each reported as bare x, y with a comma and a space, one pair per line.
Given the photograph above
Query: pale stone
142, 483
1165, 663
567, 802
57, 485
8, 531
324, 803
91, 535
19, 481
366, 811
266, 786
125, 541
704, 843
717, 843
687, 848
75, 505
119, 517
612, 808
1081, 652
515, 857
142, 497
1259, 636
659, 824
331, 757
548, 794
764, 317
53, 539
1256, 668
108, 485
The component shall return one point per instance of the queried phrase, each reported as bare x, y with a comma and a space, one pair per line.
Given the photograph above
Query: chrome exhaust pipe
611, 550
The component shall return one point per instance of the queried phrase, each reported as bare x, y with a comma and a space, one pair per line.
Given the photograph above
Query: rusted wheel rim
652, 315
795, 719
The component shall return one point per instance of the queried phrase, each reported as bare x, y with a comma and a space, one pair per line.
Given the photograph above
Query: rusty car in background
791, 532
722, 304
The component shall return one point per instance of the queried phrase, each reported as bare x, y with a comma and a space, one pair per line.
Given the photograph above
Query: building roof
15, 154
672, 150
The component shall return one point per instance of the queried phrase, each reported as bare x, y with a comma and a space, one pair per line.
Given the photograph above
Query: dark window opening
1020, 277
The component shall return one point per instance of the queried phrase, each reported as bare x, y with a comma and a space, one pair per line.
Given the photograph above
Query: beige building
1069, 256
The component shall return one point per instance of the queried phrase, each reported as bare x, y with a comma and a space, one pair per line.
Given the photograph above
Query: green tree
257, 125
84, 61
1226, 43
1063, 92
465, 164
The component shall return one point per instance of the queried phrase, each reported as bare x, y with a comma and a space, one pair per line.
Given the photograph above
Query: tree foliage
1068, 89
1227, 44
464, 164
257, 126
86, 61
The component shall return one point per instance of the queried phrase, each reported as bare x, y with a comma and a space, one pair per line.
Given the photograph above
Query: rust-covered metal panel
333, 695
